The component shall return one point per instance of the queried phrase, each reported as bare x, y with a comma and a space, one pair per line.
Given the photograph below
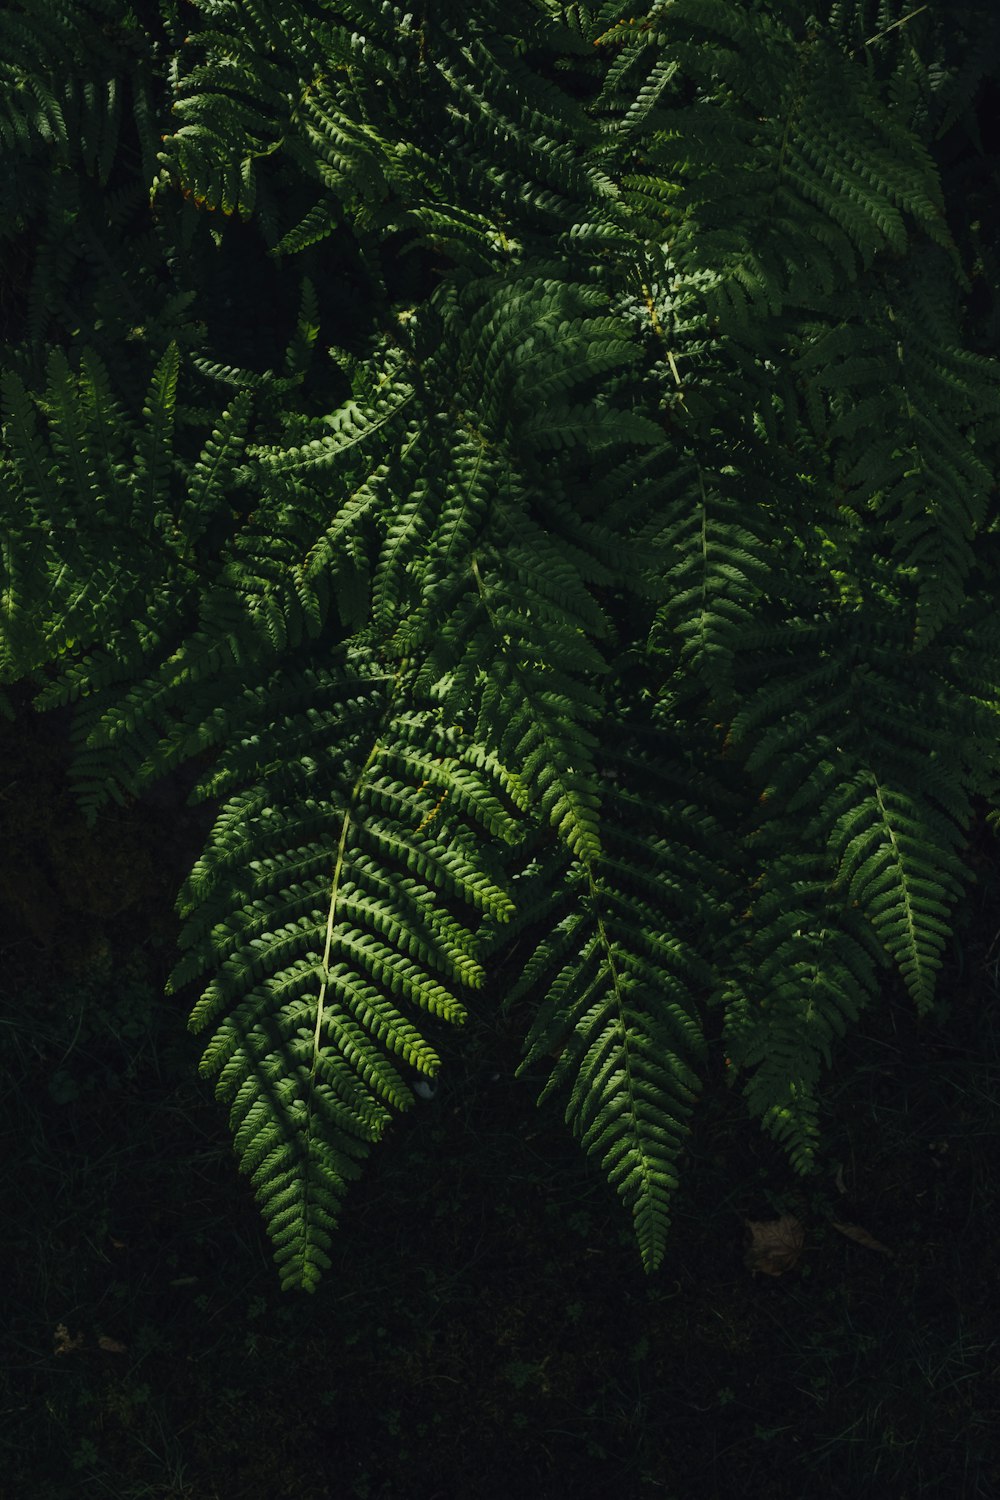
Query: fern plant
560, 515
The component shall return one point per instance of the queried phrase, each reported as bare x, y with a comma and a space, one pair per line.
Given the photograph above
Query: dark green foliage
605, 546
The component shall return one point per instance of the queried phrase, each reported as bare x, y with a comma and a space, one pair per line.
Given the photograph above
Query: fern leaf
316, 974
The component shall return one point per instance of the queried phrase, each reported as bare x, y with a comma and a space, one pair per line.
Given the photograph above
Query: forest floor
486, 1327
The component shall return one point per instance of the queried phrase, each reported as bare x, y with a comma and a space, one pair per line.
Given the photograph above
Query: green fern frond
804, 971
621, 982
898, 862
154, 450
341, 934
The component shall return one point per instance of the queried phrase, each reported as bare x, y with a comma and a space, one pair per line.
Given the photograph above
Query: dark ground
486, 1328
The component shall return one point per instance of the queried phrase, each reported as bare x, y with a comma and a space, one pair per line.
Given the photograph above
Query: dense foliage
539, 466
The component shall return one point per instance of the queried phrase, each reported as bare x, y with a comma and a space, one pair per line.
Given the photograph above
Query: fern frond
806, 968
622, 981
340, 936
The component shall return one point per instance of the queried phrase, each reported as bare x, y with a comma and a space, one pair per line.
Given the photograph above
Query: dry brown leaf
63, 1343
775, 1245
862, 1237
111, 1346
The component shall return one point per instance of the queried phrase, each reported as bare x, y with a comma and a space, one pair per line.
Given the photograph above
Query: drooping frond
325, 902
622, 974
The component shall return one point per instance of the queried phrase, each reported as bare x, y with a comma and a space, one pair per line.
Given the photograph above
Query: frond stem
331, 914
